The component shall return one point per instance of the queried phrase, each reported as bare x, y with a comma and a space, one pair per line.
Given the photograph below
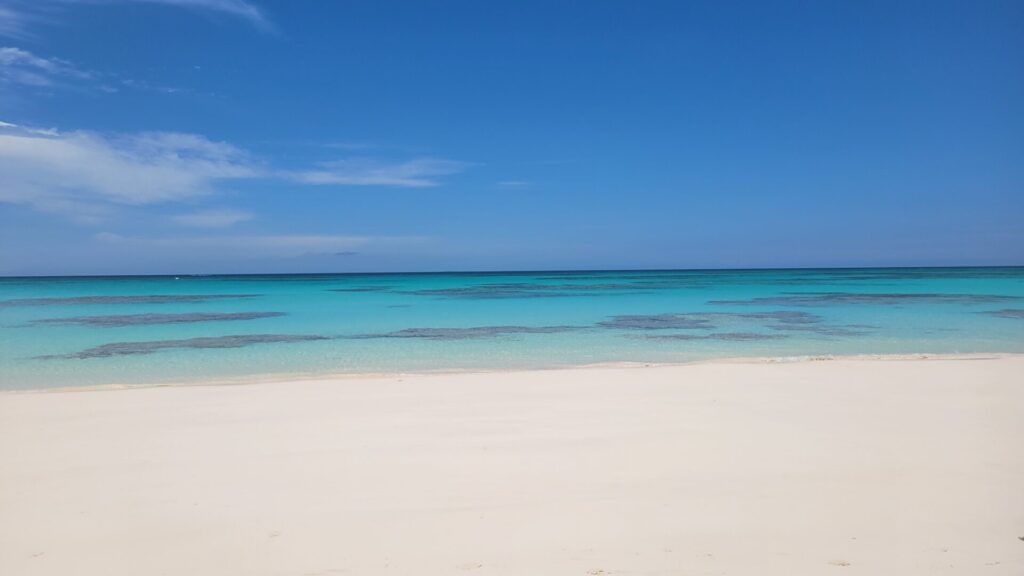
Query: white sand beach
838, 467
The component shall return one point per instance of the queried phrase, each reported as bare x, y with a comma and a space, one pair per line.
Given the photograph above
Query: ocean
88, 331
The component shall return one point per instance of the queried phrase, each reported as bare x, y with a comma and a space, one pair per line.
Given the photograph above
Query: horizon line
499, 272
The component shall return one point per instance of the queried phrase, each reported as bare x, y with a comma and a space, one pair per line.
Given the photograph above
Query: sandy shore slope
840, 467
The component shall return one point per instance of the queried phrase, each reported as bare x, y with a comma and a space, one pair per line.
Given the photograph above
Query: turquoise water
145, 330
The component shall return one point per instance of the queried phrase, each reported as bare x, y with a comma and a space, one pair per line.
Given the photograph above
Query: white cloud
19, 66
66, 171
416, 173
260, 246
17, 17
23, 69
13, 23
219, 218
238, 8
87, 175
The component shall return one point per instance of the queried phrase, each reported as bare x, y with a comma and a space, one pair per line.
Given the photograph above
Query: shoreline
289, 378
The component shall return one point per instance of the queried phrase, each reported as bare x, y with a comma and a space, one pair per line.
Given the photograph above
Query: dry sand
840, 467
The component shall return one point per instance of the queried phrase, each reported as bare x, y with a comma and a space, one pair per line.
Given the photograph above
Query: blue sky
201, 136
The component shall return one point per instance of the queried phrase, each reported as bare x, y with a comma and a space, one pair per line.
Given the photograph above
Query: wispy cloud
238, 8
66, 171
19, 66
17, 17
257, 246
216, 218
21, 69
13, 23
88, 174
416, 173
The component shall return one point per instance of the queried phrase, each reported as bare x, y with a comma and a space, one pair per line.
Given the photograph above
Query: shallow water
59, 332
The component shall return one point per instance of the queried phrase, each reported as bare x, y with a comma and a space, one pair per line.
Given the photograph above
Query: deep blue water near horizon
81, 331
